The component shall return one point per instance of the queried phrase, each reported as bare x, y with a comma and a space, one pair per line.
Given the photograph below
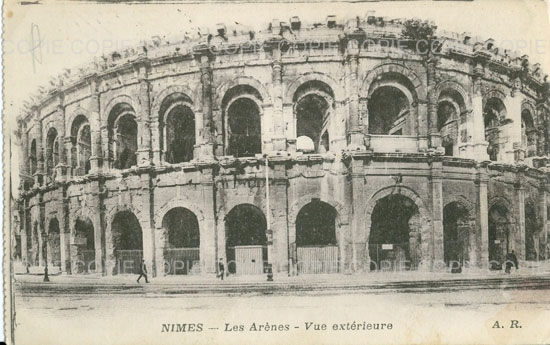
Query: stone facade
470, 131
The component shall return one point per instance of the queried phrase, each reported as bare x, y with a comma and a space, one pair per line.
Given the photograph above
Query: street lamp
268, 219
46, 240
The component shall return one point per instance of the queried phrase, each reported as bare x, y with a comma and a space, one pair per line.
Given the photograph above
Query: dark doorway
127, 242
456, 222
54, 243
316, 241
393, 244
182, 256
85, 246
388, 109
180, 134
244, 132
499, 236
246, 240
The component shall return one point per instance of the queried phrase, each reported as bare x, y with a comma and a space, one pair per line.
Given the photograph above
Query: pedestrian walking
143, 271
221, 269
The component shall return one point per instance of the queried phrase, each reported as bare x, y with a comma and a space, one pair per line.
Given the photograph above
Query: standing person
143, 271
514, 259
221, 269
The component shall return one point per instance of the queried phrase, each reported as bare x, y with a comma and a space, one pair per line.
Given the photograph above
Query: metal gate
182, 261
128, 261
248, 260
85, 261
318, 259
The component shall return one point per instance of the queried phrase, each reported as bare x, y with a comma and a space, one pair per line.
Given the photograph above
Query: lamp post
268, 219
46, 240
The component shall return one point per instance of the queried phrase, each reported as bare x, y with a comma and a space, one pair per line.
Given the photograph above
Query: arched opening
81, 146
242, 121
244, 133
528, 134
531, 232
450, 107
123, 132
33, 159
313, 105
456, 232
388, 109
316, 240
493, 113
394, 239
85, 246
246, 240
177, 128
182, 254
499, 235
52, 153
127, 242
54, 243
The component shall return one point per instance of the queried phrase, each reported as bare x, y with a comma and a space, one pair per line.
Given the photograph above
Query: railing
393, 143
318, 259
182, 261
128, 261
247, 260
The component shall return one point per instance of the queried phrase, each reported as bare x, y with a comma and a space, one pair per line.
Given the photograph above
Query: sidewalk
317, 280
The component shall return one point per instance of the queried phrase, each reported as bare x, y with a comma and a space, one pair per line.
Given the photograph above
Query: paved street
418, 310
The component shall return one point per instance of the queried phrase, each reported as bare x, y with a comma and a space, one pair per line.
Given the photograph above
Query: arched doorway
54, 243
182, 254
123, 136
314, 102
456, 232
494, 113
84, 241
499, 235
531, 232
246, 240
242, 121
316, 240
394, 240
127, 242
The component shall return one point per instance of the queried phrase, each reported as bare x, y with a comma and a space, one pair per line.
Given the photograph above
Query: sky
73, 34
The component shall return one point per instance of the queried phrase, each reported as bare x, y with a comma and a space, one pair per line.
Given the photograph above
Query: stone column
360, 259
61, 168
278, 139
518, 242
483, 215
64, 232
38, 176
161, 242
351, 68
25, 231
435, 136
279, 207
147, 223
209, 126
95, 129
209, 232
437, 211
512, 131
478, 150
155, 139
144, 145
